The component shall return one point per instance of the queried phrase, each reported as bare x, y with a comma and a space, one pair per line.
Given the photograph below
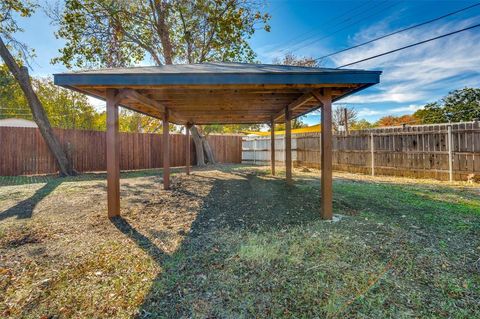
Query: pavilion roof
219, 93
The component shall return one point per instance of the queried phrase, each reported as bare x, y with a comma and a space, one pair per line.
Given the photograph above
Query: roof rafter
147, 102
306, 97
142, 99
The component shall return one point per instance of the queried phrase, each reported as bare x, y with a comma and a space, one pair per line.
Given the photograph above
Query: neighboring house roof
12, 122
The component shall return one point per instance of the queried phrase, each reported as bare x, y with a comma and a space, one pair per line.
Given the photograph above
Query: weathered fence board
24, 152
415, 151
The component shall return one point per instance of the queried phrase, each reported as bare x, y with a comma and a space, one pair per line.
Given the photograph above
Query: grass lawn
234, 242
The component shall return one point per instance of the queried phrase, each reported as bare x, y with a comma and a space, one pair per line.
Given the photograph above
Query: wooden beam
288, 147
272, 146
306, 97
321, 97
166, 152
149, 103
113, 155
187, 149
326, 155
142, 99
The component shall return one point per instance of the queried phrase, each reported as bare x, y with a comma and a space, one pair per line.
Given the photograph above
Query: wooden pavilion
219, 93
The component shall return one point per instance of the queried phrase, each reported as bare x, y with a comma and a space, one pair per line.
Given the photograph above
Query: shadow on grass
24, 209
23, 180
246, 203
192, 282
140, 240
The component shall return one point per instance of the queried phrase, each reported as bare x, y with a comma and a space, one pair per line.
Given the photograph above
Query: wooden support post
187, 149
113, 156
327, 179
166, 152
288, 147
272, 146
372, 154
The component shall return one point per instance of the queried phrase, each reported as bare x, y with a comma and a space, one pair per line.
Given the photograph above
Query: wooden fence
24, 152
440, 151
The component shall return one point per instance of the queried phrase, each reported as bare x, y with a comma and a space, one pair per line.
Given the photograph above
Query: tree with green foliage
121, 33
231, 128
15, 54
459, 105
362, 124
64, 108
431, 113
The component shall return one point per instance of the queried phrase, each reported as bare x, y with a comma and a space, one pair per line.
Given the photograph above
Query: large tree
64, 108
459, 105
9, 11
126, 32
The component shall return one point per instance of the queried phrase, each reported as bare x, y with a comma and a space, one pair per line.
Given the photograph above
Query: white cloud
419, 73
366, 112
376, 113
405, 109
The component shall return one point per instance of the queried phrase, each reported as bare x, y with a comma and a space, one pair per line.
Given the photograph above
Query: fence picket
418, 151
24, 151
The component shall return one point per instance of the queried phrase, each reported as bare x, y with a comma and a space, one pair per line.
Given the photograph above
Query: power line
399, 31
411, 45
349, 25
307, 35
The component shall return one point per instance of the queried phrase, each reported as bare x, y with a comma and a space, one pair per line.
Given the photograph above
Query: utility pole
345, 116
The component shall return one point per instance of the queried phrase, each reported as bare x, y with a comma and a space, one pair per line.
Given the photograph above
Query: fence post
254, 151
450, 153
372, 154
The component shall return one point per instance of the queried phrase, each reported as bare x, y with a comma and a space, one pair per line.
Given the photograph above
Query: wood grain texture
288, 147
166, 152
113, 156
24, 151
326, 163
413, 151
187, 150
272, 146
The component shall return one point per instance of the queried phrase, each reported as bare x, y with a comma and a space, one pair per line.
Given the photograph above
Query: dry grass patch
234, 242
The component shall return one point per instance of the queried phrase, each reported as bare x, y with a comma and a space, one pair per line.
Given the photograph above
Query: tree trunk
202, 148
39, 115
208, 151
197, 141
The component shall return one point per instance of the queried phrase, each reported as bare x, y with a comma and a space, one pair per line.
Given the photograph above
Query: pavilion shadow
140, 240
247, 204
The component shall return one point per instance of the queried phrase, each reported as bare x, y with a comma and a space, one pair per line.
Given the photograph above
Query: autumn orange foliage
398, 120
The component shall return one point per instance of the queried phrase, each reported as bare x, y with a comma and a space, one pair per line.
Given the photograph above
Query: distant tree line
460, 105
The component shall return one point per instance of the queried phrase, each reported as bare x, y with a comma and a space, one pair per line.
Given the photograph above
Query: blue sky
411, 78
